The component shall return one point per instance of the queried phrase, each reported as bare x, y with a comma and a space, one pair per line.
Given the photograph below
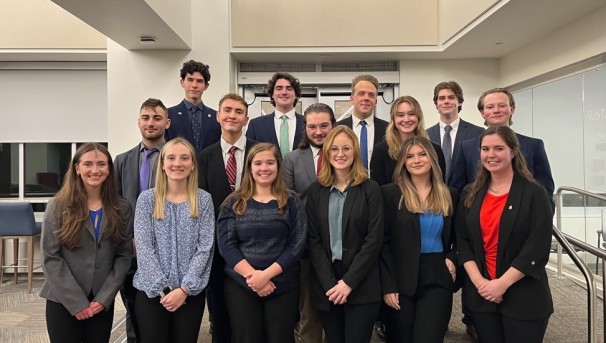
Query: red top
490, 218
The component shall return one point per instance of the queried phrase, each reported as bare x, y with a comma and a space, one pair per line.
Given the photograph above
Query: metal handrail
567, 241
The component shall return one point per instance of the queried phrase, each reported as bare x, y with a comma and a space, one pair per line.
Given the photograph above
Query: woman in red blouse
503, 237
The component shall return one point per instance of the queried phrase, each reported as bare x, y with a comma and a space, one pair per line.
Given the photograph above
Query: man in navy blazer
212, 177
364, 92
153, 122
448, 99
284, 90
497, 107
191, 119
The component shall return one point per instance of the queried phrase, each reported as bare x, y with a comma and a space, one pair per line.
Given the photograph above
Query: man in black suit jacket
191, 119
284, 90
448, 98
212, 176
364, 92
153, 122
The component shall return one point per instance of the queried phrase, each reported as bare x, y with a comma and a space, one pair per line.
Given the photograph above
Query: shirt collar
189, 105
290, 114
355, 121
240, 144
314, 150
454, 124
157, 147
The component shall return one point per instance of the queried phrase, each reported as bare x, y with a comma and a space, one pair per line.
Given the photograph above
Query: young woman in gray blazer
86, 249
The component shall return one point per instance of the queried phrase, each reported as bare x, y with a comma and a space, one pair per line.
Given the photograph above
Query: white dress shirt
453, 132
370, 132
241, 145
292, 125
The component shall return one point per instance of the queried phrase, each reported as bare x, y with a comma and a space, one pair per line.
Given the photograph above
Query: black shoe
381, 330
471, 332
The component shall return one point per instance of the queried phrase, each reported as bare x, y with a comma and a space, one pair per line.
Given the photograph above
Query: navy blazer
180, 126
524, 243
380, 127
263, 129
382, 166
212, 176
465, 131
401, 253
533, 149
362, 234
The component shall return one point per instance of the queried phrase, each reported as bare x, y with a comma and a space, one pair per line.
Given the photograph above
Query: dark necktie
195, 126
364, 143
320, 160
144, 172
447, 148
231, 167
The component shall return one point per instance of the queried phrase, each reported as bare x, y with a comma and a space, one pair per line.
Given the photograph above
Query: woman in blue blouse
261, 232
174, 230
418, 258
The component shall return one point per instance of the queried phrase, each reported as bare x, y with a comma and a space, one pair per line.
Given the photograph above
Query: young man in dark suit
191, 119
300, 170
369, 129
136, 172
283, 127
220, 169
451, 130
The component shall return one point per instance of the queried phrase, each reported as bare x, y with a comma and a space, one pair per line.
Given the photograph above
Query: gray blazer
127, 168
299, 170
91, 268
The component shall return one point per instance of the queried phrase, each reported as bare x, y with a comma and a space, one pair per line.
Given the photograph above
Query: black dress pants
494, 327
64, 328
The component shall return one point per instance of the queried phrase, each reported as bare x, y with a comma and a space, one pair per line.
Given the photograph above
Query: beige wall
134, 76
41, 24
573, 43
336, 23
453, 16
419, 77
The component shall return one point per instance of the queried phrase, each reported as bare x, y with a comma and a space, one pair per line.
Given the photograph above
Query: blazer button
344, 249
532, 263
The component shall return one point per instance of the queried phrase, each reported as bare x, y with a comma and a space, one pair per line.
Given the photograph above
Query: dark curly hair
294, 82
192, 66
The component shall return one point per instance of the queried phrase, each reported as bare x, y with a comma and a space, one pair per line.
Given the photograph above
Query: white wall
419, 77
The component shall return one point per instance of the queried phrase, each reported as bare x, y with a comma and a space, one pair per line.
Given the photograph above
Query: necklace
497, 190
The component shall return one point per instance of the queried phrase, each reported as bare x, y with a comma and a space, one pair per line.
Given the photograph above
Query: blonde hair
357, 173
162, 180
247, 189
439, 200
393, 137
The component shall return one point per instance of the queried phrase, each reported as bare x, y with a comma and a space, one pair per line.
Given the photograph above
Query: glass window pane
9, 170
45, 165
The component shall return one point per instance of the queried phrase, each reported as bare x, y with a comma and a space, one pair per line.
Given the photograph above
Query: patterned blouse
176, 251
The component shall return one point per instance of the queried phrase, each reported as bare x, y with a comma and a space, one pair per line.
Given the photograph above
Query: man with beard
136, 172
301, 167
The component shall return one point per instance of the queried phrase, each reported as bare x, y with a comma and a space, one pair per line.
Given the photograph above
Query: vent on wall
274, 67
360, 67
325, 68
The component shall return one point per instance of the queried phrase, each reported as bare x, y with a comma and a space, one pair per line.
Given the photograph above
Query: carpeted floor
22, 318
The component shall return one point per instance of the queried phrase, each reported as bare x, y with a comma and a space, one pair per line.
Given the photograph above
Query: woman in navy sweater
261, 234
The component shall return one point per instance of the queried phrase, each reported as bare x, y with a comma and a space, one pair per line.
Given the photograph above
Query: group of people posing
304, 228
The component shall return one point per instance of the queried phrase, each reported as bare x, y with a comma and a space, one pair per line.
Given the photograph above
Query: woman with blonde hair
503, 238
261, 233
345, 218
418, 260
174, 235
406, 121
86, 249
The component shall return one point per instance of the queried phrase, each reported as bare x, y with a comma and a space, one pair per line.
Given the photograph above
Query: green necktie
284, 141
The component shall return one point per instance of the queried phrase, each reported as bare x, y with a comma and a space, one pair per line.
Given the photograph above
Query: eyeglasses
334, 150
322, 126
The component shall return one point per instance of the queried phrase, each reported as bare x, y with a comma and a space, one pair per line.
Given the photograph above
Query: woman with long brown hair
261, 232
418, 260
174, 236
406, 121
503, 239
86, 249
345, 218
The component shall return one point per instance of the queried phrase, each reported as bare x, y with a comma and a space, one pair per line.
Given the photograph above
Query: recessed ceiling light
499, 43
147, 40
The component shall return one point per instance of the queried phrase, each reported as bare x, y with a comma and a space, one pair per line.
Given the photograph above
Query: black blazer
380, 127
211, 173
382, 166
465, 131
362, 241
400, 256
524, 242
180, 126
263, 129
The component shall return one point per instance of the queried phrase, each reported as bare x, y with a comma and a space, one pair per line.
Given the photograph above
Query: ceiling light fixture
147, 40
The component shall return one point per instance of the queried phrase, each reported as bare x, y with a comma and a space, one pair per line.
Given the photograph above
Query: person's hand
257, 280
338, 294
267, 290
173, 300
96, 307
452, 269
392, 300
493, 290
84, 314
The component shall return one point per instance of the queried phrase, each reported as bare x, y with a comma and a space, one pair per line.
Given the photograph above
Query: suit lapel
350, 199
307, 160
133, 172
510, 212
218, 168
298, 131
270, 125
475, 231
